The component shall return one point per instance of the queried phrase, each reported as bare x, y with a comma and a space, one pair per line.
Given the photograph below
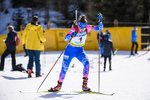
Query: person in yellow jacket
33, 38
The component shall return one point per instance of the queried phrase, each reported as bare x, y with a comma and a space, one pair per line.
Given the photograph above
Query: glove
73, 34
24, 45
100, 16
68, 37
4, 40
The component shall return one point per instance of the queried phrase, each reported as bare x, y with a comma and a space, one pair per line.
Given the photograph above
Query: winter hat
82, 21
106, 30
135, 28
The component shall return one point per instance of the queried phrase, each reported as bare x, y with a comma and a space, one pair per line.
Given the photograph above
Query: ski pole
44, 63
99, 62
76, 8
115, 53
100, 26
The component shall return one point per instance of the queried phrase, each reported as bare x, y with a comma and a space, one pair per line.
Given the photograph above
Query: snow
129, 78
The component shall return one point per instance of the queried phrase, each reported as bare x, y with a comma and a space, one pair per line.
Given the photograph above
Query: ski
93, 92
42, 91
31, 91
81, 92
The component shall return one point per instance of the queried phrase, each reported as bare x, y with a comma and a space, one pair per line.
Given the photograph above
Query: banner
120, 36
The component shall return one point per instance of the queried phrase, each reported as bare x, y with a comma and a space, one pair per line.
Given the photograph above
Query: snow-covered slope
129, 78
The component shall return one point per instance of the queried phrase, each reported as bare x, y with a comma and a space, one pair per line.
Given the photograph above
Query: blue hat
82, 25
135, 28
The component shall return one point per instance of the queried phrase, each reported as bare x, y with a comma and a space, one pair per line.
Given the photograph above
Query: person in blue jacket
76, 37
134, 41
108, 34
11, 47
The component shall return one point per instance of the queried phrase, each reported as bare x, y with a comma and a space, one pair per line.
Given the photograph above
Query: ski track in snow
129, 78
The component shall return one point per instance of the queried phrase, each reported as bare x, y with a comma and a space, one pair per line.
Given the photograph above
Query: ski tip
29, 91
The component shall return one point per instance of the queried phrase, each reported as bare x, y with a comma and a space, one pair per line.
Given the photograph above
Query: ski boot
110, 69
104, 70
132, 54
38, 75
56, 88
84, 86
136, 53
29, 71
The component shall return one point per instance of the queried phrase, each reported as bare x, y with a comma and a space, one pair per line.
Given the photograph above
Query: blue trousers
34, 55
69, 54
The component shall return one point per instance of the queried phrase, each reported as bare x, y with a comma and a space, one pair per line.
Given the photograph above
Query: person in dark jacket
107, 46
11, 47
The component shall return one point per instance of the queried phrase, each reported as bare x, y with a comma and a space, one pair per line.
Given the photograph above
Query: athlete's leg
82, 57
65, 64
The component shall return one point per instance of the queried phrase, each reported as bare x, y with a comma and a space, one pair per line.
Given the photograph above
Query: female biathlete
77, 36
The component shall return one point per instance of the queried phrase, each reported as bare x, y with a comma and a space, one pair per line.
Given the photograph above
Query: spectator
33, 38
134, 41
108, 34
11, 47
107, 46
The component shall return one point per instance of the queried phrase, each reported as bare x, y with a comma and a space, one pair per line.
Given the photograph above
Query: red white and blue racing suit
75, 49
